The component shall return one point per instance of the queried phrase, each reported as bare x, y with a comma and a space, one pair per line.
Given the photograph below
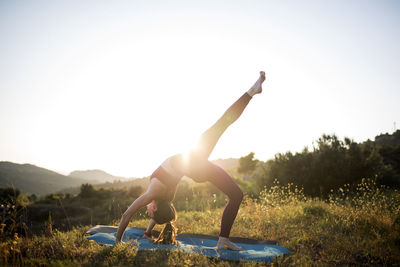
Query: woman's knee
237, 196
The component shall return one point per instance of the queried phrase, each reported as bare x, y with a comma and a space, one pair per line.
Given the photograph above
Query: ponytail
167, 235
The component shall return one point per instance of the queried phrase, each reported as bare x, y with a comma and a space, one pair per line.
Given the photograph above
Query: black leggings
201, 169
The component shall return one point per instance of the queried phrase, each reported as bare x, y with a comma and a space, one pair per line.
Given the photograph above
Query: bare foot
257, 87
225, 243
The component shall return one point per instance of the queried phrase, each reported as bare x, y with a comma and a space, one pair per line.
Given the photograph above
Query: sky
121, 85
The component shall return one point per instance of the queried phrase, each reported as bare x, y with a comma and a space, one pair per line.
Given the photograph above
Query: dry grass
357, 229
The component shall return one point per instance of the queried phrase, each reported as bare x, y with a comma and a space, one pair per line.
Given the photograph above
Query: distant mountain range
31, 179
97, 176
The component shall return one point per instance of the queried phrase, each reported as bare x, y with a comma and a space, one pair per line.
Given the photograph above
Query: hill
97, 176
30, 179
388, 139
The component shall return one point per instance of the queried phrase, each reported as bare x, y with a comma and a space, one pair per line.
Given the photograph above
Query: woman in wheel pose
164, 180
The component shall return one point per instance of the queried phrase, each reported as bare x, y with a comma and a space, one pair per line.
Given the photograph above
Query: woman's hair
167, 235
166, 213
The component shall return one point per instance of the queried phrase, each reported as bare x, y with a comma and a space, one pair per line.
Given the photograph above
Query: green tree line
329, 165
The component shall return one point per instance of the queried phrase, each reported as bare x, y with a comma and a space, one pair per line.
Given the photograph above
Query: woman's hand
147, 237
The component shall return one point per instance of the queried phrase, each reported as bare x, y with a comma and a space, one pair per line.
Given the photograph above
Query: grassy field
353, 228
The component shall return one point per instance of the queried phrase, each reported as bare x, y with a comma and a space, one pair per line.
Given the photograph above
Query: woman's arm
147, 234
170, 194
155, 190
141, 201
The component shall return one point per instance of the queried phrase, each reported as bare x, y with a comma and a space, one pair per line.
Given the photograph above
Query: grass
352, 228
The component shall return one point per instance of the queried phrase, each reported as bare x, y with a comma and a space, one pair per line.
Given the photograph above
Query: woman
164, 180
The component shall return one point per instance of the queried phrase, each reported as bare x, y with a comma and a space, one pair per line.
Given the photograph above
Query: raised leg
210, 137
200, 169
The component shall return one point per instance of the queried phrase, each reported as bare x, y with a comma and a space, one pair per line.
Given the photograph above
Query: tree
330, 165
9, 195
247, 164
135, 191
87, 191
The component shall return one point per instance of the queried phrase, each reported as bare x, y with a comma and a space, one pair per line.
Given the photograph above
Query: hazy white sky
121, 85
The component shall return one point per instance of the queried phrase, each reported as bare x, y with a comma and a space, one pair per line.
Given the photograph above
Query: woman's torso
169, 174
173, 165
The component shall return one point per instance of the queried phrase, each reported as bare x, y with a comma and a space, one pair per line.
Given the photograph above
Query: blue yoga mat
253, 250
